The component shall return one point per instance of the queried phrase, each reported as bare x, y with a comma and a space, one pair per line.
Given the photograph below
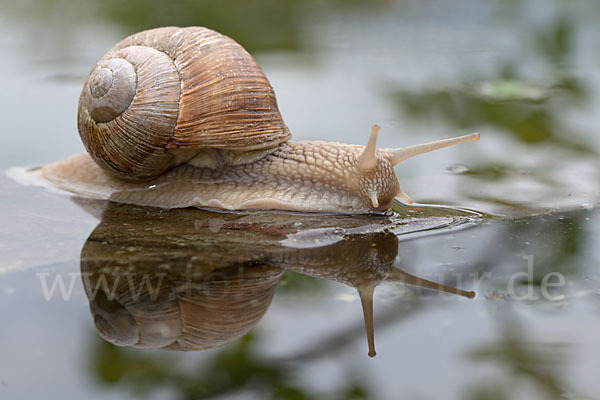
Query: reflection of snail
180, 281
178, 117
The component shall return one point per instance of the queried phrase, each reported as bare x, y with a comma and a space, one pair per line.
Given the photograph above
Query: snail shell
160, 97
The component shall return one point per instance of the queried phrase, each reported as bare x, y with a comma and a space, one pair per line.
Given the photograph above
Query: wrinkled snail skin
179, 117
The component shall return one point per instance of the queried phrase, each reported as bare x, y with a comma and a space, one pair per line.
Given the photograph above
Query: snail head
378, 181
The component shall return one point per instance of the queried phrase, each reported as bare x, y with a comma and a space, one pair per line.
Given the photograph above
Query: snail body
179, 117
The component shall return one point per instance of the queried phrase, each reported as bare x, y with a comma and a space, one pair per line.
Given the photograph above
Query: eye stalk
396, 156
368, 159
377, 169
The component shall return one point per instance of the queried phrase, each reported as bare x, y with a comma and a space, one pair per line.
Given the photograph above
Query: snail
179, 117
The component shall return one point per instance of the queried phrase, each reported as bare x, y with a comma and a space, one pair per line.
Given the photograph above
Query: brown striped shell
160, 97
190, 308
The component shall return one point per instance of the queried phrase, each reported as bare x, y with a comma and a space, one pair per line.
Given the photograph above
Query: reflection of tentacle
397, 275
366, 299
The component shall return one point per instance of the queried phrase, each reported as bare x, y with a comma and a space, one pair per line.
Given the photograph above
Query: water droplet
458, 169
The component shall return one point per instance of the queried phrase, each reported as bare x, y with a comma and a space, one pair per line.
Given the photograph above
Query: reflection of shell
127, 316
159, 310
222, 310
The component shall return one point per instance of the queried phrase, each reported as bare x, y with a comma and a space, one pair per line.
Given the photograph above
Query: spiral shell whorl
128, 112
112, 86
